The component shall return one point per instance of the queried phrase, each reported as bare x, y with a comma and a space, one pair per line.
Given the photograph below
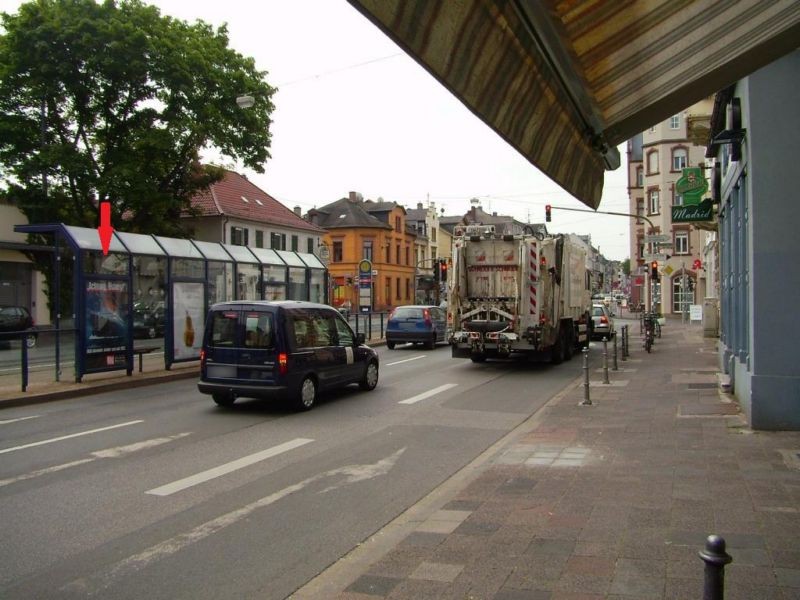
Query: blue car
416, 324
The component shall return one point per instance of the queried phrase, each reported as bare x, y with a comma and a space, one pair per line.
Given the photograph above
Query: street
156, 492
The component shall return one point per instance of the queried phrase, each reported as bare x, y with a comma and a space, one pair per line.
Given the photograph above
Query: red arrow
105, 230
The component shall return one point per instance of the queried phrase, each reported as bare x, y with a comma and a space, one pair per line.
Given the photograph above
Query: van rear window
223, 328
258, 331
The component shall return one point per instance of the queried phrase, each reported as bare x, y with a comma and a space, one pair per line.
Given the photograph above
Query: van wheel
224, 399
370, 379
307, 395
390, 345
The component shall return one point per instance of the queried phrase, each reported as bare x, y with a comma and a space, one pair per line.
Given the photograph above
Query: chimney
473, 216
419, 205
494, 214
355, 197
298, 211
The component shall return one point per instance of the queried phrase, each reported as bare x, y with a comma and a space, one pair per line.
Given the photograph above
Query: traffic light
547, 215
437, 272
444, 269
698, 264
654, 270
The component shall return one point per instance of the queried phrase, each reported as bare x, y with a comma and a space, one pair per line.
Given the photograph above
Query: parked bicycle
650, 324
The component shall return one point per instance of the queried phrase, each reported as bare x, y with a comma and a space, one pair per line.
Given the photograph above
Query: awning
565, 82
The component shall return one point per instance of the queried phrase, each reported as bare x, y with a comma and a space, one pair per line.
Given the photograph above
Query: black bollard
715, 558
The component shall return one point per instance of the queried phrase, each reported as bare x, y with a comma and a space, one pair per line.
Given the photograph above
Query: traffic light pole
649, 284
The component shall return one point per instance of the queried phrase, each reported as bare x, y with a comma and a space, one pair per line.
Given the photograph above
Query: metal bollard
614, 366
624, 342
605, 361
715, 558
586, 400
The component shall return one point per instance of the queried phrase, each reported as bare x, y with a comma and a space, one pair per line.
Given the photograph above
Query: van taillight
283, 363
202, 358
604, 320
426, 314
391, 314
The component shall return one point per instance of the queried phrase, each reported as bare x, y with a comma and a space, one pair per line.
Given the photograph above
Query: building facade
755, 145
656, 159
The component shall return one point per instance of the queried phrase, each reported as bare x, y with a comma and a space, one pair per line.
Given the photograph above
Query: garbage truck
523, 294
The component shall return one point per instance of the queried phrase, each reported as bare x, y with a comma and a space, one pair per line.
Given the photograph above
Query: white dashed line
428, 394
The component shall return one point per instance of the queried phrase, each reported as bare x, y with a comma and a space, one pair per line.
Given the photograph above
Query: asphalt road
155, 492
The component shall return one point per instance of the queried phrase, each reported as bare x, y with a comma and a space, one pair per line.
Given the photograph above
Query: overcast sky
353, 112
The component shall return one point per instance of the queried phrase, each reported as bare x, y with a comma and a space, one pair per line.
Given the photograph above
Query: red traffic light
654, 269
547, 215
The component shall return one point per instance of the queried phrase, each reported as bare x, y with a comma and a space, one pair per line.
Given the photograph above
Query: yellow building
374, 230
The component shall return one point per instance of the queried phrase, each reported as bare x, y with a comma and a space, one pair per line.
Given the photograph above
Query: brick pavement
612, 500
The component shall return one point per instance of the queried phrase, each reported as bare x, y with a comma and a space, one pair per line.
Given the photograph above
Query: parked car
284, 348
417, 324
15, 319
148, 321
602, 322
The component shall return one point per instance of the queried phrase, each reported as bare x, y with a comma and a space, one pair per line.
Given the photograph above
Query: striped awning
564, 82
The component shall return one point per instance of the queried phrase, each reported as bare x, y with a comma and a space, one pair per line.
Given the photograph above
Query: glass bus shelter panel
298, 289
137, 243
106, 325
89, 239
188, 319
317, 286
177, 248
248, 277
241, 254
291, 259
267, 256
274, 282
220, 281
310, 260
213, 251
188, 267
114, 263
149, 296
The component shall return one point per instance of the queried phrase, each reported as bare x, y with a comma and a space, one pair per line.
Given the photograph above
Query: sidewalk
612, 500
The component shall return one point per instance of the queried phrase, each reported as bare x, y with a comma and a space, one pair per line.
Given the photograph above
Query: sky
353, 112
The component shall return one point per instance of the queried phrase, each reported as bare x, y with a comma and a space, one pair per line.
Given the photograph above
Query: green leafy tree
115, 101
626, 266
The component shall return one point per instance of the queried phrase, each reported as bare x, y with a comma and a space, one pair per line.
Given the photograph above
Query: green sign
704, 211
692, 185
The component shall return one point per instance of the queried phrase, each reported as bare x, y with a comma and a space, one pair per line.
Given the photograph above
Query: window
239, 236
682, 296
295, 243
639, 210
639, 176
408, 288
310, 245
397, 252
397, 223
408, 255
344, 335
388, 289
338, 255
366, 249
433, 234
682, 242
678, 200
259, 239
223, 328
388, 251
675, 122
652, 162
653, 207
277, 241
258, 330
679, 159
397, 289
312, 330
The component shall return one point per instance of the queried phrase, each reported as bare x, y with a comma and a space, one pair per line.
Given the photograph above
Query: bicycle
650, 324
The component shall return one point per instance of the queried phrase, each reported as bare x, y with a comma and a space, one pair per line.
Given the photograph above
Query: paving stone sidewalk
613, 500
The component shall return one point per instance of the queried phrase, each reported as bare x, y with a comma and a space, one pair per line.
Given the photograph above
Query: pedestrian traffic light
698, 264
547, 216
654, 269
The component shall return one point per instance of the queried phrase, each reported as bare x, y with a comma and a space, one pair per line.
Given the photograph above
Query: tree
116, 101
626, 266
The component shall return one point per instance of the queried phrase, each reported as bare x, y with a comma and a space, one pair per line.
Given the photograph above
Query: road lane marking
352, 474
70, 436
7, 421
399, 362
108, 453
428, 394
234, 465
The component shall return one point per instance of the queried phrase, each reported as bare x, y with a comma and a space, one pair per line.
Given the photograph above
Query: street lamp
245, 101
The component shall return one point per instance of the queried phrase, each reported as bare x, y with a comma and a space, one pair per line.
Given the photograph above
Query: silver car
602, 322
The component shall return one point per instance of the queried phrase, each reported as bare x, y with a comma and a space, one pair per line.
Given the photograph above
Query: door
315, 349
352, 369
222, 345
257, 357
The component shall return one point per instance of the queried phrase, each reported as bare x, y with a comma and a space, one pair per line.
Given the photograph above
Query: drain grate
703, 386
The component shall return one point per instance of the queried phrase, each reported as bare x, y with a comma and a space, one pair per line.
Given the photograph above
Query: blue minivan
284, 348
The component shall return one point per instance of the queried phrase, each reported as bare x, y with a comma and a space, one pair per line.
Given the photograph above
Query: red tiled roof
235, 196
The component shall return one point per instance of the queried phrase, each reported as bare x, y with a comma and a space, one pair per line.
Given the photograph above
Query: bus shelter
160, 287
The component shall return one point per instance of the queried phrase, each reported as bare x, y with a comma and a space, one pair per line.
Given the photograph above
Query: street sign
650, 257
650, 239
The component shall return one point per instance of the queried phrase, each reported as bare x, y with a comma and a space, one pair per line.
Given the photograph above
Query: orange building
373, 230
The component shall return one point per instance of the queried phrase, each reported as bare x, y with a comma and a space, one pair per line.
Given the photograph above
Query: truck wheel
478, 358
569, 343
557, 351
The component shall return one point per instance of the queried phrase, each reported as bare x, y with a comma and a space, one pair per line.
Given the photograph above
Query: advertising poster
188, 320
106, 324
